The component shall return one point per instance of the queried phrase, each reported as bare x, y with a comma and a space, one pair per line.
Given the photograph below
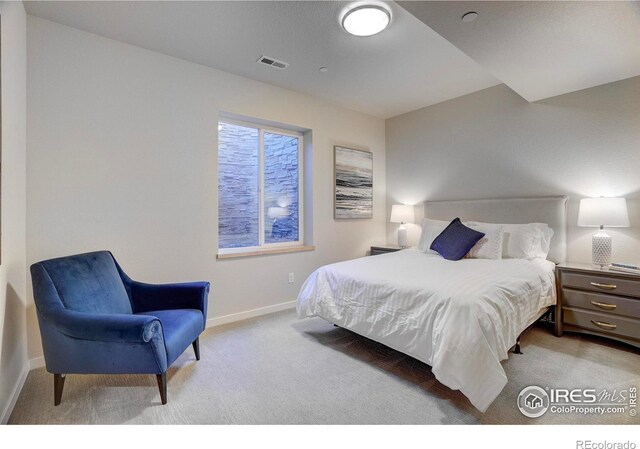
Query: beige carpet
280, 370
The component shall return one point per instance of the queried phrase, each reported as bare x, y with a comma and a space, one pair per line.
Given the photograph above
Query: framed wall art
353, 176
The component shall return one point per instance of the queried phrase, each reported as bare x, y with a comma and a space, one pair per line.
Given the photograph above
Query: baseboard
37, 362
217, 321
6, 414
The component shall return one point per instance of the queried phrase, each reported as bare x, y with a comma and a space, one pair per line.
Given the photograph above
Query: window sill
265, 252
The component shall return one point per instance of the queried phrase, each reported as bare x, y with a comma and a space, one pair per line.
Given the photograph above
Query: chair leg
196, 347
162, 385
58, 386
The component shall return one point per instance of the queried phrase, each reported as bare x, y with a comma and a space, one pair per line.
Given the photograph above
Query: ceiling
406, 67
541, 49
427, 55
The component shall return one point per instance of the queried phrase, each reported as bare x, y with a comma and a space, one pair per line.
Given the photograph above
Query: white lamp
601, 212
402, 213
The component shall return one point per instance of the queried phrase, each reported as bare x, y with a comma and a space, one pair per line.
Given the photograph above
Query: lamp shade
609, 212
402, 213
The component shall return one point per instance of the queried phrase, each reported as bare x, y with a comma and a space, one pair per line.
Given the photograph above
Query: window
259, 187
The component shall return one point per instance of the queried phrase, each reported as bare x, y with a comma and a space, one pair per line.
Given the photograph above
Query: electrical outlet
292, 278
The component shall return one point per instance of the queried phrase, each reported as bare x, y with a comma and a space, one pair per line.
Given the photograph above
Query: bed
459, 317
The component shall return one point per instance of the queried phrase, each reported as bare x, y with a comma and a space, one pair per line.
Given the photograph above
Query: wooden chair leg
58, 386
162, 386
196, 347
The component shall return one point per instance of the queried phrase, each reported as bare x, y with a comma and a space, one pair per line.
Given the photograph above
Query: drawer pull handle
604, 305
604, 325
607, 286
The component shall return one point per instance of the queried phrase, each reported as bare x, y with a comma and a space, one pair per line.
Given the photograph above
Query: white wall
13, 339
122, 156
493, 144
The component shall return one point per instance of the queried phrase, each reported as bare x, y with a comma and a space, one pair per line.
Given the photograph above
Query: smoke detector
469, 17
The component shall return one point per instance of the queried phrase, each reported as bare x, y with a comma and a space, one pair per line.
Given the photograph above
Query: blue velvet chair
95, 320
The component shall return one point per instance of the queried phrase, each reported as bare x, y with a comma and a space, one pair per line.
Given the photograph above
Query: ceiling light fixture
366, 20
470, 16
323, 69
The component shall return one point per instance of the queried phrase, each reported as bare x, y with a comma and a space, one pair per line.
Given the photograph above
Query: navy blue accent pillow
456, 240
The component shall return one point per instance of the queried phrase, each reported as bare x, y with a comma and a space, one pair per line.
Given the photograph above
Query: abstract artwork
353, 183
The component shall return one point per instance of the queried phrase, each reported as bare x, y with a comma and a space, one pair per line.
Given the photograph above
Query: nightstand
598, 302
383, 249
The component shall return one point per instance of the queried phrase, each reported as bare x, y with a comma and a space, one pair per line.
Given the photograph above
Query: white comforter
459, 317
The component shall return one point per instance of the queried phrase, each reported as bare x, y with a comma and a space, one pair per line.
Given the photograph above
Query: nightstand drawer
602, 284
607, 323
602, 303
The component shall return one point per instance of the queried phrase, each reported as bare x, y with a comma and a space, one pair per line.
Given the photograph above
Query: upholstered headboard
550, 210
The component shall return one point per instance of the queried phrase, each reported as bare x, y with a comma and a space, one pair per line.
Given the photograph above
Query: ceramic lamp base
601, 248
402, 236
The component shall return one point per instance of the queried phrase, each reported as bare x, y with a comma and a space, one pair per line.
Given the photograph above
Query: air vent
273, 62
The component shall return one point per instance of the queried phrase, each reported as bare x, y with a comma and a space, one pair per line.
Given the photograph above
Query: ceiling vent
272, 62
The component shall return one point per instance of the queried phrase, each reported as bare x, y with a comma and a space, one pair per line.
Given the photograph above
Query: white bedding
460, 317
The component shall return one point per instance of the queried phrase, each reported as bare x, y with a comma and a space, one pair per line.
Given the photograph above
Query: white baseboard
37, 362
217, 321
6, 413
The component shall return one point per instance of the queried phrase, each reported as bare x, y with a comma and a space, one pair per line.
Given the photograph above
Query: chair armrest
105, 327
191, 295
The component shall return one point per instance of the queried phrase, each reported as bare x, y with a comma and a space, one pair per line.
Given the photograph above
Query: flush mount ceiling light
366, 20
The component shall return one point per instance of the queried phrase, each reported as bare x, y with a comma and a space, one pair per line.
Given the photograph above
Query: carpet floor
279, 370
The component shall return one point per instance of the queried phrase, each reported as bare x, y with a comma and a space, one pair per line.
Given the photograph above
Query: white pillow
526, 241
522, 241
430, 230
519, 240
542, 250
489, 246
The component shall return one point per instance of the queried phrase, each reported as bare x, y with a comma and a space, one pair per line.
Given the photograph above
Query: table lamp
601, 212
402, 213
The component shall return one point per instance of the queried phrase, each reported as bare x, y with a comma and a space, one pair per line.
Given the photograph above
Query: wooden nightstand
383, 249
599, 302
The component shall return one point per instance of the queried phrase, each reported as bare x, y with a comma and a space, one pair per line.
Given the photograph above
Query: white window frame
262, 246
